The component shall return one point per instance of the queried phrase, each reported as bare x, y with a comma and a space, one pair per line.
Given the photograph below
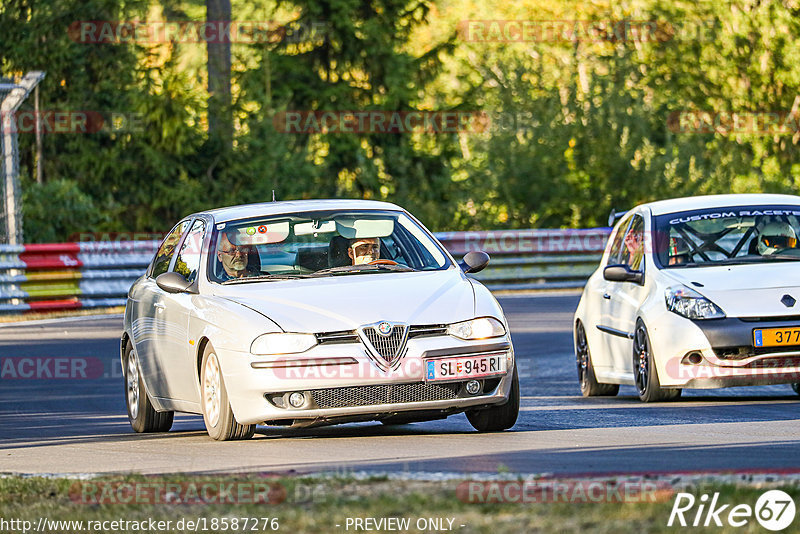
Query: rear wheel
217, 414
590, 387
141, 414
645, 374
497, 418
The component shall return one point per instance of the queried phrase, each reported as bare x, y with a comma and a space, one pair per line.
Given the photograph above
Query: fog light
297, 399
473, 387
693, 358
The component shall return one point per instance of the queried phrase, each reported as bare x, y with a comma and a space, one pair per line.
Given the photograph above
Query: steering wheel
382, 262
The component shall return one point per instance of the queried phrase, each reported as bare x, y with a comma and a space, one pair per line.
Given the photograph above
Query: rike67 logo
774, 510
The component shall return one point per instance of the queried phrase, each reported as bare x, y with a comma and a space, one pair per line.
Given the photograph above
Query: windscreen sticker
729, 214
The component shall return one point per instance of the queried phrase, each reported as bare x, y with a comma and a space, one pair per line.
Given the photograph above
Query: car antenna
273, 195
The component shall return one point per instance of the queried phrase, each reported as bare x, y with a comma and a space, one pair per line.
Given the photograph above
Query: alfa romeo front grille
427, 330
384, 394
342, 336
389, 347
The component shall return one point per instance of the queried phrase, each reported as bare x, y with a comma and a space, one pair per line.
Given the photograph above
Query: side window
167, 249
633, 252
616, 245
188, 262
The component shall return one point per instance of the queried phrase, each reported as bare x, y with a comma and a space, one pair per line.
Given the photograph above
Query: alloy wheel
133, 385
641, 350
582, 353
211, 389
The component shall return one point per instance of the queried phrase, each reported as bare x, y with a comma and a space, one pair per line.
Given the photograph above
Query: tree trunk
220, 127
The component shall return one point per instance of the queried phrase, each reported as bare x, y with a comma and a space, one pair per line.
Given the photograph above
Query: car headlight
482, 328
282, 343
691, 304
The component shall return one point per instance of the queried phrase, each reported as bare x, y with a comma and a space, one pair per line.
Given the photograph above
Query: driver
363, 251
678, 251
233, 258
776, 237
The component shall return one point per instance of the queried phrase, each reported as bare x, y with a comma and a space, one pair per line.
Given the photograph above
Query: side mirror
474, 261
622, 273
173, 282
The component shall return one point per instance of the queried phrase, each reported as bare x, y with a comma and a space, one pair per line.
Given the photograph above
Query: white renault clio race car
694, 293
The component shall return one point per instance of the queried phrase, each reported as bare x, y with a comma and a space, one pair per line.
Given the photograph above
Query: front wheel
217, 414
590, 387
497, 418
645, 374
141, 414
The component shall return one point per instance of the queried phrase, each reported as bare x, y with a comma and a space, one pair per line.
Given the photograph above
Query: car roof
286, 207
662, 207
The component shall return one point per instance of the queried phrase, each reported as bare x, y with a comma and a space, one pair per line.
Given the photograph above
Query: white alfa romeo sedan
316, 312
694, 293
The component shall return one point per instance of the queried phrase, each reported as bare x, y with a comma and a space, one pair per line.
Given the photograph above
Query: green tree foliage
576, 127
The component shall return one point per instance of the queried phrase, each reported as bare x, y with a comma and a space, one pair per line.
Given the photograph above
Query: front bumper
720, 353
341, 382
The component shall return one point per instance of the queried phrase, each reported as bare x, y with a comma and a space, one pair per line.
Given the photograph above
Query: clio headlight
481, 328
281, 343
691, 304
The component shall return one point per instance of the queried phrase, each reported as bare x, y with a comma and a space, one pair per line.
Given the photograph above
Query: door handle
160, 306
606, 296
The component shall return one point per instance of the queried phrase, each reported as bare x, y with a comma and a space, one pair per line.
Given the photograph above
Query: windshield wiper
266, 278
363, 268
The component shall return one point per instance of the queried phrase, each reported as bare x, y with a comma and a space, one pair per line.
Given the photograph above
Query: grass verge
332, 504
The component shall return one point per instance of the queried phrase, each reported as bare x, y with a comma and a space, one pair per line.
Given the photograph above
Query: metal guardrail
532, 259
59, 276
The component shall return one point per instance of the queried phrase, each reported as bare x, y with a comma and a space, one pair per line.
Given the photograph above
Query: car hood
745, 290
345, 302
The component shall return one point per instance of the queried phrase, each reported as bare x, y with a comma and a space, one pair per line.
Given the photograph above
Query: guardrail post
10, 164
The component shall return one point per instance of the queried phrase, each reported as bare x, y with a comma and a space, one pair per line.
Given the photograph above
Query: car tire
499, 417
590, 387
217, 414
141, 414
796, 388
645, 374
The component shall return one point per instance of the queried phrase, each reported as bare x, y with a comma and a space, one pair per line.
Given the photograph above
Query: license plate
776, 337
465, 367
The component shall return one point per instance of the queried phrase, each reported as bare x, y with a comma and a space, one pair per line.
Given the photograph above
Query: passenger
363, 251
776, 237
234, 259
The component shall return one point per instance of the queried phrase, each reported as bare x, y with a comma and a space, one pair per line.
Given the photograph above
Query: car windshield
725, 236
309, 245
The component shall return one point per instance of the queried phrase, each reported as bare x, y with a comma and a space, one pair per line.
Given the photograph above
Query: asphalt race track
52, 425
